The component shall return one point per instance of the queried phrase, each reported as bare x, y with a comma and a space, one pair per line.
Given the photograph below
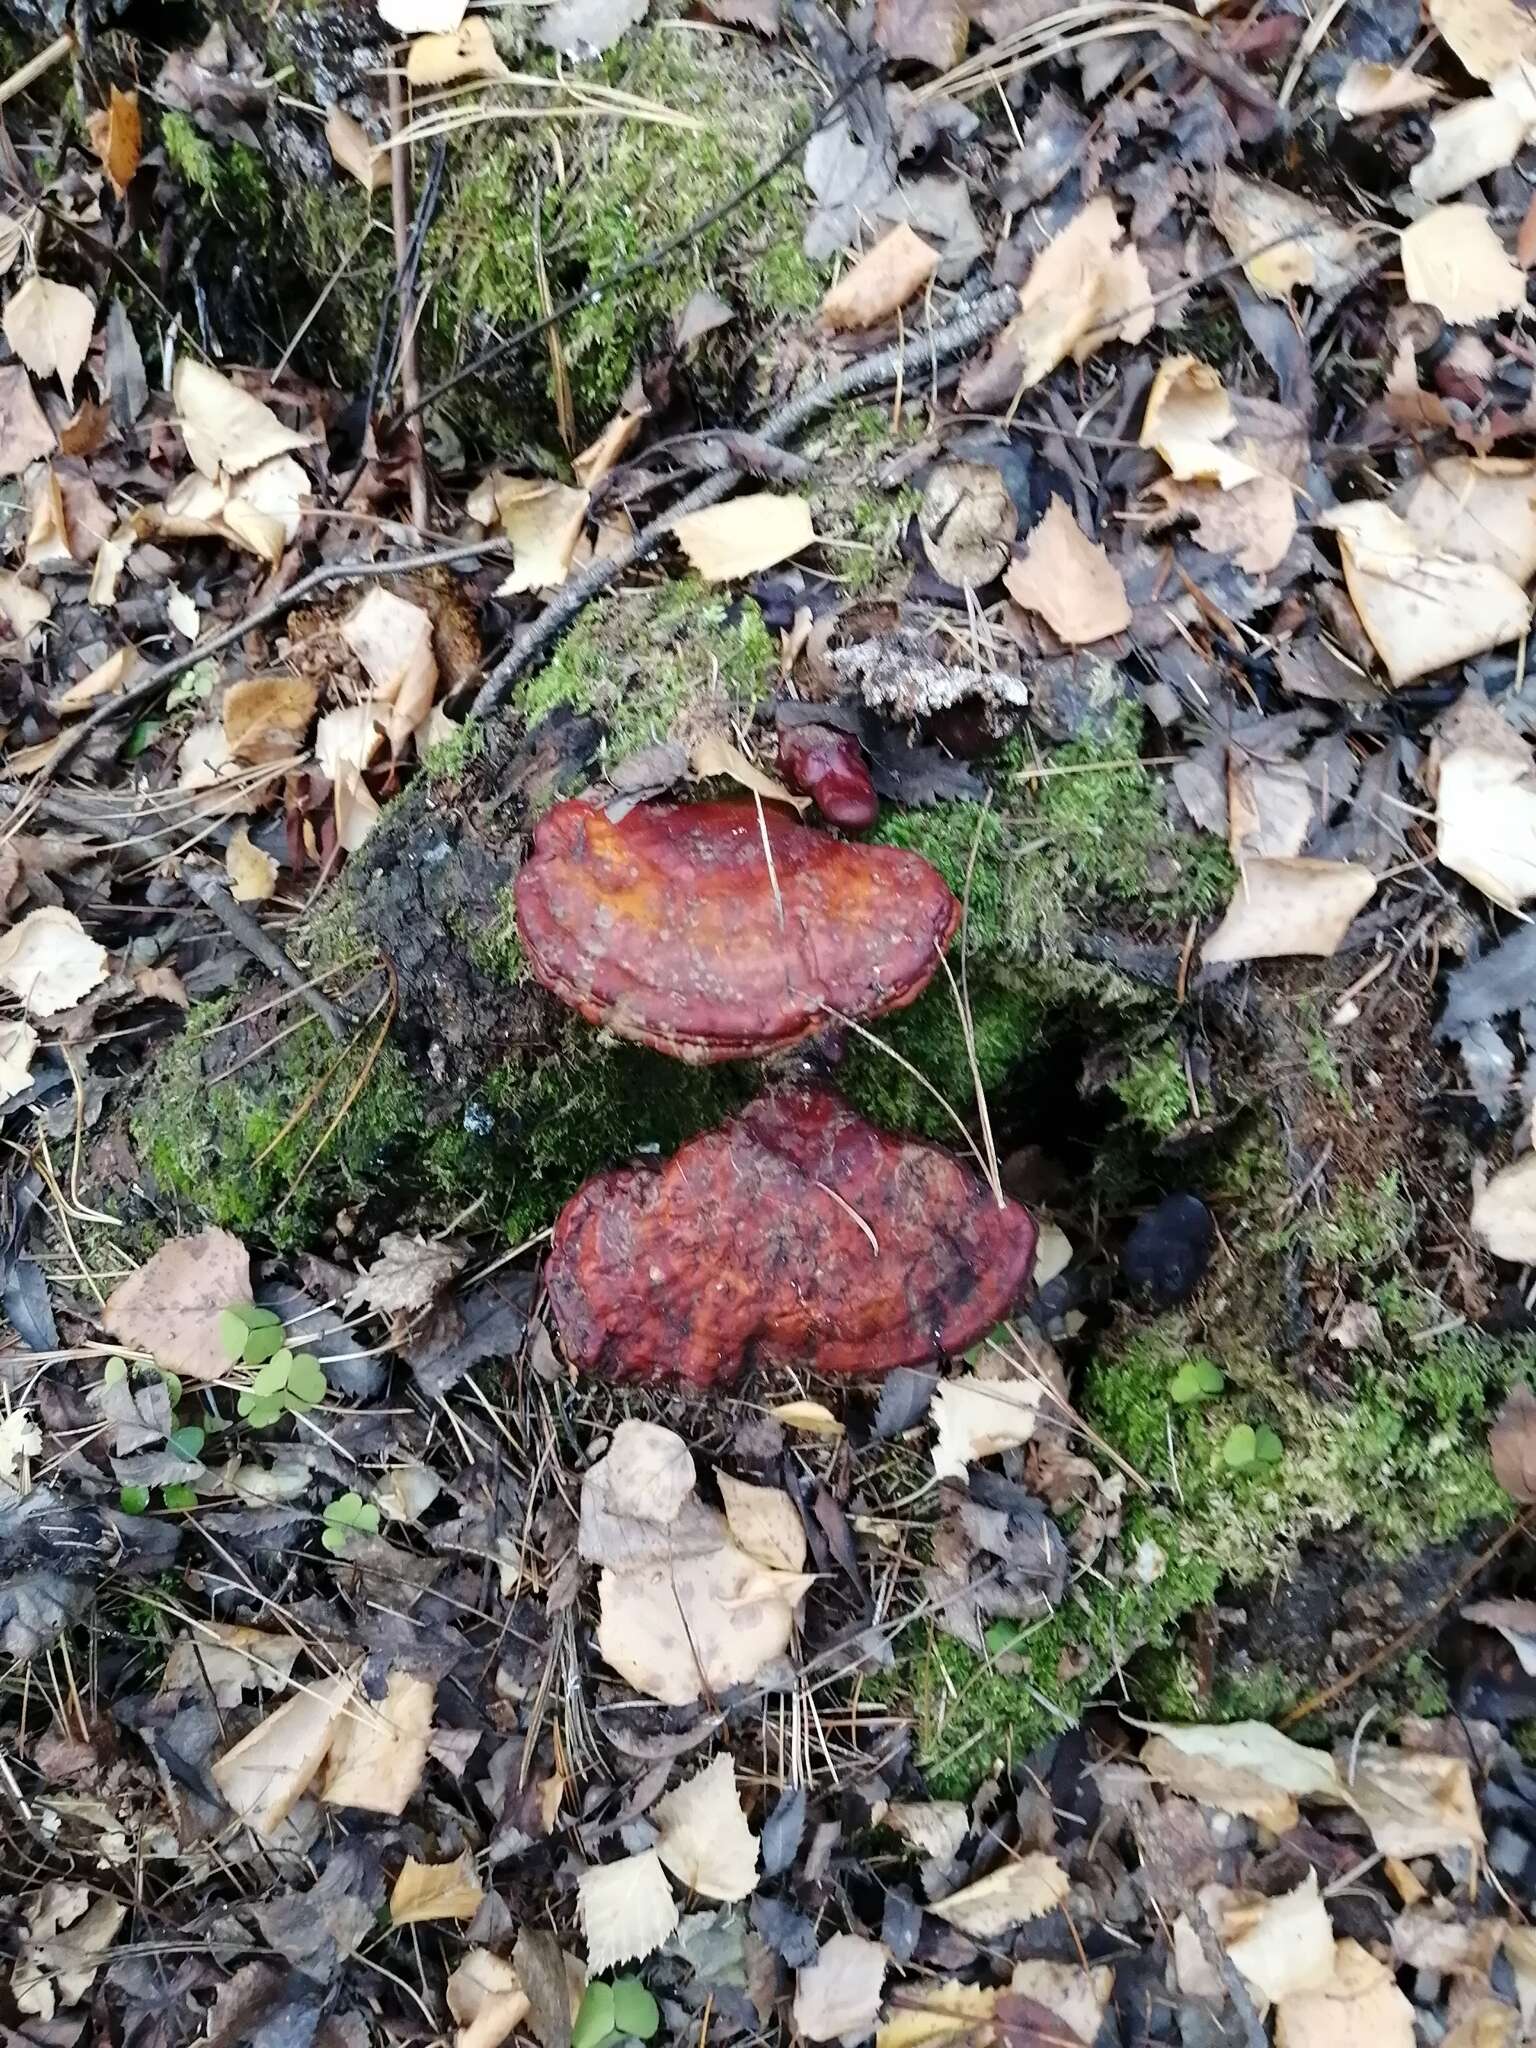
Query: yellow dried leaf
435, 1891
1015, 1892
765, 1523
264, 1776
1069, 581
116, 137
1282, 908
930, 2015
885, 277
716, 754
465, 52
353, 153
811, 1416
252, 873
745, 535
49, 326
380, 1748
1454, 261
1422, 611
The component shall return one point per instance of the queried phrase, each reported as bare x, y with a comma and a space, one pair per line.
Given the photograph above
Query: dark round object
1166, 1255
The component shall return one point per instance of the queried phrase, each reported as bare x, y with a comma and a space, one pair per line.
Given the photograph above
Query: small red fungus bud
817, 762
795, 1235
720, 931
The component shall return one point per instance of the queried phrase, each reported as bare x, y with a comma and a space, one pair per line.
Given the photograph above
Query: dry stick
210, 890
34, 67
149, 687
410, 379
957, 335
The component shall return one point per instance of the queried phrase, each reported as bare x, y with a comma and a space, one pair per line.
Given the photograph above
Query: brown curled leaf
795, 1235
665, 926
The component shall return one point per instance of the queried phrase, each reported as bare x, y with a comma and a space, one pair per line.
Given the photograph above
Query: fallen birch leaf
935, 1827
1086, 288
1485, 803
392, 638
69, 1934
252, 873
1480, 507
1504, 1217
108, 679
435, 1891
1188, 412
466, 52
1282, 1945
697, 1624
1244, 1767
48, 962
485, 1999
1487, 35
704, 1839
18, 1046
1415, 1803
715, 754
25, 435
882, 281
814, 1417
169, 1309
226, 430
264, 1776
266, 718
1360, 2003
224, 1659
23, 608
543, 521
1015, 1892
1069, 581
627, 1910
931, 2015
1470, 141
1281, 239
1368, 88
352, 152
765, 1523
647, 1473
837, 1998
979, 1417
1077, 1997
1285, 907
116, 135
379, 1750
1454, 261
1422, 611
745, 535
49, 326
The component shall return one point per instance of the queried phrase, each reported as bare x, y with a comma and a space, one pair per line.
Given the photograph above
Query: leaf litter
430, 1632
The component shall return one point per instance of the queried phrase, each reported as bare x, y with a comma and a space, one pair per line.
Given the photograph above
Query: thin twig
34, 67
957, 335
209, 888
410, 378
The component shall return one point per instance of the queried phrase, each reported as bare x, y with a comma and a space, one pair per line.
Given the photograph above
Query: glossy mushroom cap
796, 1234
677, 927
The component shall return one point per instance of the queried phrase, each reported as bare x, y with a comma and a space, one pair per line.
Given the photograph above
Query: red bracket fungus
829, 766
677, 926
796, 1234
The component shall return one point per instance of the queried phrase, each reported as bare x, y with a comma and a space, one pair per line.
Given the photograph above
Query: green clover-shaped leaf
347, 1512
186, 1442
182, 1497
634, 2009
1267, 1447
306, 1382
1241, 1447
133, 1500
1196, 1380
594, 2022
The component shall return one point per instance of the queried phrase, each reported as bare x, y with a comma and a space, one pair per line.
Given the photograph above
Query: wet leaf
171, 1307
1069, 581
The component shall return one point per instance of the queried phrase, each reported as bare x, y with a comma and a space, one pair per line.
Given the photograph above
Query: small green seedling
250, 1335
134, 1500
347, 1512
1247, 1448
187, 1442
1196, 1380
621, 2010
179, 1497
290, 1383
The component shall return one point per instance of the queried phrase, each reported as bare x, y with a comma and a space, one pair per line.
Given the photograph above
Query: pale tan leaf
765, 1523
1359, 2004
677, 1629
1416, 1803
111, 560
1368, 88
745, 535
1454, 261
812, 1416
222, 1660
599, 457
885, 277
170, 1307
486, 2000
266, 718
409, 1273
466, 52
435, 1891
227, 430
646, 1475
627, 1910
48, 962
704, 1840
352, 152
23, 608
49, 326
1485, 806
934, 1827
837, 1998
25, 435
379, 1750
347, 739
1422, 611
181, 609
162, 985
1069, 581
977, 1417
392, 638
1504, 1212
18, 1044
1076, 1996
1243, 1767
1026, 1889
1270, 809
931, 2015
252, 873
543, 521
1470, 141
1254, 523
1188, 413
264, 1776
108, 679
1281, 1945
1480, 507
1487, 35
1282, 239
1284, 907
206, 768
1085, 289
716, 753
117, 137
68, 1943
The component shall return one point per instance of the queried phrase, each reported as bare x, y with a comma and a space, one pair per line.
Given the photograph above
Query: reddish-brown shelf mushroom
676, 926
796, 1234
829, 766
